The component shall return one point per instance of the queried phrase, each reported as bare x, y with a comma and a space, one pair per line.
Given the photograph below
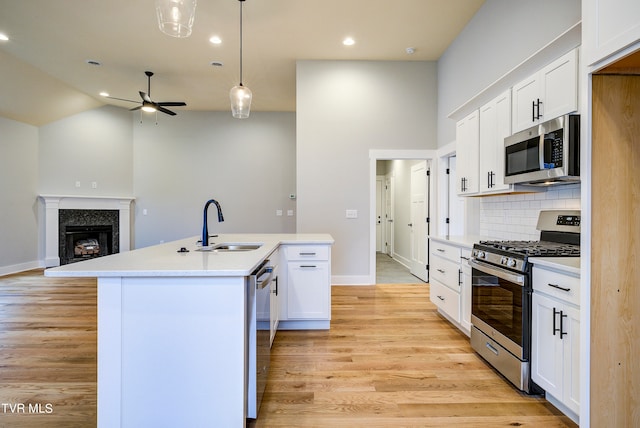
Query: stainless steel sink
235, 247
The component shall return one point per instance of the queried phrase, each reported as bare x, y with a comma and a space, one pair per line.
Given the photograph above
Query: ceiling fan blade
167, 111
172, 103
145, 97
123, 99
135, 108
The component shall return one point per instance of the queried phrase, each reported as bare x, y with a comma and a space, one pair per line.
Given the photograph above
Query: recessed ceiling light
348, 41
3, 37
93, 62
104, 94
215, 40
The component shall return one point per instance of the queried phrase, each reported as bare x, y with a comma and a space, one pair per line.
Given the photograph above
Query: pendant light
175, 17
240, 95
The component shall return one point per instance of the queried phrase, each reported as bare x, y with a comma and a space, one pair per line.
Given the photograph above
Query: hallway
389, 271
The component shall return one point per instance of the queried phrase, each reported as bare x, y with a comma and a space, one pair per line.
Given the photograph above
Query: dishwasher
259, 336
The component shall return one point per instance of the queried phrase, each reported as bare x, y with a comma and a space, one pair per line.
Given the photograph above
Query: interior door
379, 213
388, 214
418, 225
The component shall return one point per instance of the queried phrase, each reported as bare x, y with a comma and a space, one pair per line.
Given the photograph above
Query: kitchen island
172, 330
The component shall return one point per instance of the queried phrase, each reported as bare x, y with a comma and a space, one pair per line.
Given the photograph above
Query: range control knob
481, 255
512, 263
504, 260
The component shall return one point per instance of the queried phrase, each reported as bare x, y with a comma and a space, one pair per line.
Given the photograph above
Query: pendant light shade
240, 95
175, 17
240, 101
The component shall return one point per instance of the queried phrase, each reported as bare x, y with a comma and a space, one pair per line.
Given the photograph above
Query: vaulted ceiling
45, 70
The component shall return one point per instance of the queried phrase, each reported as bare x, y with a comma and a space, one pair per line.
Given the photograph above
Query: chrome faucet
205, 229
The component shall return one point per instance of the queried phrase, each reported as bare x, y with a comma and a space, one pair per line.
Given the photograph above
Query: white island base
166, 345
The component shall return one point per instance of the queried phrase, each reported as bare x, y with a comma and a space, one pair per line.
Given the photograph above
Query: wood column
615, 252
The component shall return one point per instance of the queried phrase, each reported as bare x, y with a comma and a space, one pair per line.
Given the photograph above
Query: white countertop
465, 241
565, 264
165, 260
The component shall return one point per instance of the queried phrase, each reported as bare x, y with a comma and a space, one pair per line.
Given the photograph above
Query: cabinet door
608, 26
488, 137
559, 82
546, 348
571, 325
467, 154
308, 290
495, 125
465, 292
525, 97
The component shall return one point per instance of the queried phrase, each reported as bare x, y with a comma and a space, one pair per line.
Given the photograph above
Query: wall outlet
351, 214
279, 213
94, 184
290, 213
77, 184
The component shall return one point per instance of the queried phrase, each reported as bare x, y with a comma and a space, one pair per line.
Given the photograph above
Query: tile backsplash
515, 216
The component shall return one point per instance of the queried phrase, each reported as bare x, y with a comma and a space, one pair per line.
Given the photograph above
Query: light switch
290, 213
352, 214
279, 213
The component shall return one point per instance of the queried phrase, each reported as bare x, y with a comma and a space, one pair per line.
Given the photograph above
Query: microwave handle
541, 149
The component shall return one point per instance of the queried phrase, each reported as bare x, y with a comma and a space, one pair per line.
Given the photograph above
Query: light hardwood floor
389, 360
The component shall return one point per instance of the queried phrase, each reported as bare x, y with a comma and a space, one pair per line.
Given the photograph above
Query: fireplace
97, 226
86, 234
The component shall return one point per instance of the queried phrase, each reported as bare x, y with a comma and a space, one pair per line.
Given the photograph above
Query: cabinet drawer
307, 252
446, 272
445, 299
556, 284
447, 251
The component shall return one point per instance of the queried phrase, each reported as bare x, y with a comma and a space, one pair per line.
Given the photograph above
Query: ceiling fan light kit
240, 95
175, 17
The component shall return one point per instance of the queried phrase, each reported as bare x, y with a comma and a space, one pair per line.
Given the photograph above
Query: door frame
374, 156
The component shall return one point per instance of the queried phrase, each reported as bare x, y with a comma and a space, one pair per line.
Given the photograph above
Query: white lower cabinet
450, 283
305, 290
555, 359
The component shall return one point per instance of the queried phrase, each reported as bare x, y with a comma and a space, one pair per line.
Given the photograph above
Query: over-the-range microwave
546, 154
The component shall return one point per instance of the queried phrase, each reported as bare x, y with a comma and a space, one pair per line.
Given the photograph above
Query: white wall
344, 109
248, 166
18, 191
500, 36
93, 146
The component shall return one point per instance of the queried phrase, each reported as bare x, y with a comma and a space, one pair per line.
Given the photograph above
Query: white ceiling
44, 75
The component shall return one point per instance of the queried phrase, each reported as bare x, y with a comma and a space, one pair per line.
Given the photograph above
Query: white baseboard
21, 267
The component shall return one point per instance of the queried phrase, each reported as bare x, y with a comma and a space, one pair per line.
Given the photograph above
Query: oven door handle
507, 276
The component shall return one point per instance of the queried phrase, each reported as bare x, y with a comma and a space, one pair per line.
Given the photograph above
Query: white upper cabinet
609, 26
547, 94
467, 154
495, 126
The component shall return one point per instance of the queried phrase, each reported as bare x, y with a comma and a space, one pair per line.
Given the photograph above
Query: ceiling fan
148, 104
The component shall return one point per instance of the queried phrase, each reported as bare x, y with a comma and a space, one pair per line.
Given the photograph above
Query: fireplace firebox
86, 234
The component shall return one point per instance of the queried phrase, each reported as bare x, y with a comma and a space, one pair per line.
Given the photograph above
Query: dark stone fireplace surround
74, 224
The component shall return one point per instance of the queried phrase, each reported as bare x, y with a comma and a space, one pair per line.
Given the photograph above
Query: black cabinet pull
533, 111
539, 114
307, 266
558, 287
460, 277
562, 333
554, 321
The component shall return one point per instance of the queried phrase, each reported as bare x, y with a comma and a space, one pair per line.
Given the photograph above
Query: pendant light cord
241, 41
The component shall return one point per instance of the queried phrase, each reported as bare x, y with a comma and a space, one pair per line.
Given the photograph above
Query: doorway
404, 227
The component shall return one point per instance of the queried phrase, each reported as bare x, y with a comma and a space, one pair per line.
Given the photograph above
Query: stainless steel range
501, 293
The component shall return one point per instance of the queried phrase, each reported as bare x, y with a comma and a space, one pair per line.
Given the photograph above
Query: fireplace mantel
54, 203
